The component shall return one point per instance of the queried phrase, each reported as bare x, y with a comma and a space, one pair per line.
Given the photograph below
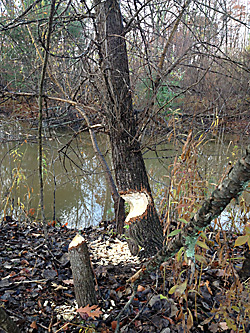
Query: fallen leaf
223, 326
58, 287
169, 319
190, 320
92, 311
35, 235
24, 262
208, 288
68, 295
33, 325
214, 327
113, 325
140, 288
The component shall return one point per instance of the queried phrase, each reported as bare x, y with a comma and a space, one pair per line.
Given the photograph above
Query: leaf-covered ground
36, 287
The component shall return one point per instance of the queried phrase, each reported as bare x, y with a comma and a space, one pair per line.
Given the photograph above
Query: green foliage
166, 92
245, 238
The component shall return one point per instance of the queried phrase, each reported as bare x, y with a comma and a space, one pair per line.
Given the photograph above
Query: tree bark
130, 171
231, 187
6, 323
83, 275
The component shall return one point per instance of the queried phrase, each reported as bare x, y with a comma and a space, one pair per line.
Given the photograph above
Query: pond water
75, 191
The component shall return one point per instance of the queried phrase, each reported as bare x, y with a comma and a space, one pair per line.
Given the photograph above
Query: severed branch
231, 187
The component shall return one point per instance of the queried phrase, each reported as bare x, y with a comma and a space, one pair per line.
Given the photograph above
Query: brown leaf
113, 325
208, 288
92, 311
190, 320
214, 327
24, 262
169, 319
33, 325
140, 288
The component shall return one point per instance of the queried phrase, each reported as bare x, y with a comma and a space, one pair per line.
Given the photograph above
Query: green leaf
241, 240
203, 235
236, 308
179, 253
183, 221
172, 290
174, 232
200, 258
163, 297
203, 245
178, 288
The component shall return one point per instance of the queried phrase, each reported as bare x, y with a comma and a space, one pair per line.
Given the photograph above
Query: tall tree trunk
144, 230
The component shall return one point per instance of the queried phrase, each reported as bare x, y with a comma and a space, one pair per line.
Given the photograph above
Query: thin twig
134, 286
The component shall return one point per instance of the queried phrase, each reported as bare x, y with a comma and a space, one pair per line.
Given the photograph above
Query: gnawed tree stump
83, 275
6, 323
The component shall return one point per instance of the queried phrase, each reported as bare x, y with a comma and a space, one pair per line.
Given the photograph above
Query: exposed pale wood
77, 240
138, 202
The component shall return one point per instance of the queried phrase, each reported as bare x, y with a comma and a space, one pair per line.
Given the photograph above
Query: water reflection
75, 190
74, 195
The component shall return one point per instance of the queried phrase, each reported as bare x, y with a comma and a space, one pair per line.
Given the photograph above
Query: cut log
6, 323
83, 275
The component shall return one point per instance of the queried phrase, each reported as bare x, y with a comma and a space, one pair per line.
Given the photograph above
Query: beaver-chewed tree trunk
83, 275
145, 230
231, 187
137, 224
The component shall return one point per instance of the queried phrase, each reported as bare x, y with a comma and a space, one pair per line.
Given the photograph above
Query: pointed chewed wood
77, 240
142, 239
138, 203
